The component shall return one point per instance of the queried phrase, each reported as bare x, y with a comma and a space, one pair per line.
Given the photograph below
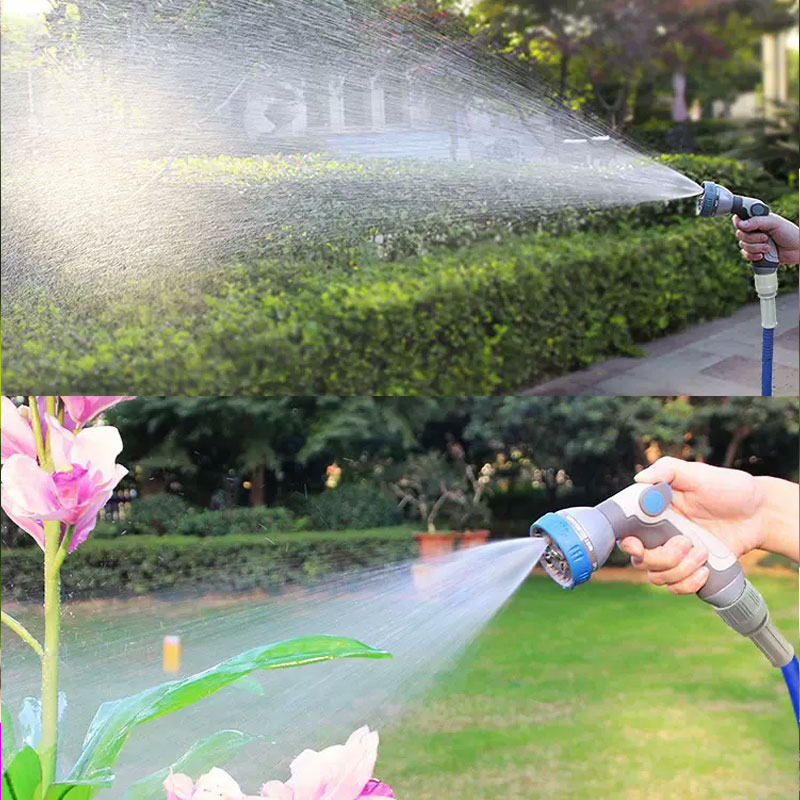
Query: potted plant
435, 488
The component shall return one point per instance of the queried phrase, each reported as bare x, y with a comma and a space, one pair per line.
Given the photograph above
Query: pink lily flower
84, 478
84, 408
341, 772
214, 785
16, 434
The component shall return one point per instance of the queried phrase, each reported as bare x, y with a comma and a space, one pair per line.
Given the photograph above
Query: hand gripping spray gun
717, 201
580, 540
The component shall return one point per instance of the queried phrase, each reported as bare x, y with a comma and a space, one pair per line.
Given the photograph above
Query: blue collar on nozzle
707, 201
566, 559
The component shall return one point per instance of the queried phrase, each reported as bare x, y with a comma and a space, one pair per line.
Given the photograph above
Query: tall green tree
605, 51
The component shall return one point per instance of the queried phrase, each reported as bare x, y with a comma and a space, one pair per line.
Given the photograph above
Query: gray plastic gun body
580, 540
717, 201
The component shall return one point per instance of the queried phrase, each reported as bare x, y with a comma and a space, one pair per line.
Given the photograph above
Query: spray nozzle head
715, 201
565, 558
578, 541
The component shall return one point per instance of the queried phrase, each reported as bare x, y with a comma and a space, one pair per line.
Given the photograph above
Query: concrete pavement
722, 357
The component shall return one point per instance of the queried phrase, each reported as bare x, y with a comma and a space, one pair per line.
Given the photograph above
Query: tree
206, 438
607, 49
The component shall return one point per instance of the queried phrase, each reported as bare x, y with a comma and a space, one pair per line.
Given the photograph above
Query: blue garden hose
767, 339
791, 674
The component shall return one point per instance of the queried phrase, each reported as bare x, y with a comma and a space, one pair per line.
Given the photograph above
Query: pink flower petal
276, 790
16, 434
178, 786
83, 408
376, 789
29, 489
61, 443
29, 525
97, 448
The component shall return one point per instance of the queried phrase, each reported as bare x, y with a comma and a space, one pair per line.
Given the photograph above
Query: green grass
615, 690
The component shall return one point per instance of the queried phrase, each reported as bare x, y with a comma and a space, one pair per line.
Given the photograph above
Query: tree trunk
563, 70
258, 481
679, 110
155, 483
740, 434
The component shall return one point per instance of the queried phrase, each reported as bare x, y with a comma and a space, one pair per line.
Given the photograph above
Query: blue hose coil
766, 361
791, 674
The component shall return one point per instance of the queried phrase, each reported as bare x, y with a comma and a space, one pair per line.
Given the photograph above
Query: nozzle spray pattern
580, 540
717, 201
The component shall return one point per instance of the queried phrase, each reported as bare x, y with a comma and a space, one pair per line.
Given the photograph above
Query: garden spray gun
580, 540
717, 201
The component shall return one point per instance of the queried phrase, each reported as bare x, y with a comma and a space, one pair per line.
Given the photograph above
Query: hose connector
749, 616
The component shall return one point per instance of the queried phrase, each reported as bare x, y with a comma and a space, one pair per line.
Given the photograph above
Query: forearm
781, 517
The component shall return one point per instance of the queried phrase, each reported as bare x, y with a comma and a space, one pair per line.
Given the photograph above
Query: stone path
722, 357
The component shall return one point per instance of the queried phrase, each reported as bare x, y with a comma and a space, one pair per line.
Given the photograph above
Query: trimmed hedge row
470, 322
142, 564
206, 523
491, 316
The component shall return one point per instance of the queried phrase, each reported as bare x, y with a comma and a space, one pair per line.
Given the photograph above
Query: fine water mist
150, 140
424, 613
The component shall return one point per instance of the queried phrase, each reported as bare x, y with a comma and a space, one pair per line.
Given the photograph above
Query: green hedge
141, 564
491, 316
156, 513
351, 507
236, 521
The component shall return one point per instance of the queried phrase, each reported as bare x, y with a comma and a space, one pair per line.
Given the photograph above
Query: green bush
492, 316
704, 137
234, 521
140, 564
155, 513
352, 507
108, 529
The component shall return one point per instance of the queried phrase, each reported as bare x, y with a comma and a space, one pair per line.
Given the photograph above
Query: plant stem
22, 632
52, 622
48, 744
63, 548
38, 437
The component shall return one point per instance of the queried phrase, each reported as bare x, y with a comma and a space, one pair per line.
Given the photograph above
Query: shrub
234, 521
155, 513
704, 137
471, 321
354, 507
108, 529
141, 564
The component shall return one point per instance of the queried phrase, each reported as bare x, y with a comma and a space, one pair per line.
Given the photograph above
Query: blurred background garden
235, 494
236, 510
370, 280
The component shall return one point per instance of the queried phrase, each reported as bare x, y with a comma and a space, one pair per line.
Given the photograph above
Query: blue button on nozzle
655, 499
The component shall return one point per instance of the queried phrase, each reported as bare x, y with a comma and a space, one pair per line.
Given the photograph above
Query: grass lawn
615, 690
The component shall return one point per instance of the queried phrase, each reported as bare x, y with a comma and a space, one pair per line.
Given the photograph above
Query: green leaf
69, 791
115, 720
214, 750
80, 790
9, 739
23, 777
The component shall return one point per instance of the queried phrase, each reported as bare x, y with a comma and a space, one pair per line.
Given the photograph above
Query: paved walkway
722, 357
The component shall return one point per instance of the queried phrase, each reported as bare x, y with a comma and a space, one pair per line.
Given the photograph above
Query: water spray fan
580, 540
717, 201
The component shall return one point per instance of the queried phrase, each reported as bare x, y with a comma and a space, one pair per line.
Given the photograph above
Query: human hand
752, 236
728, 503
